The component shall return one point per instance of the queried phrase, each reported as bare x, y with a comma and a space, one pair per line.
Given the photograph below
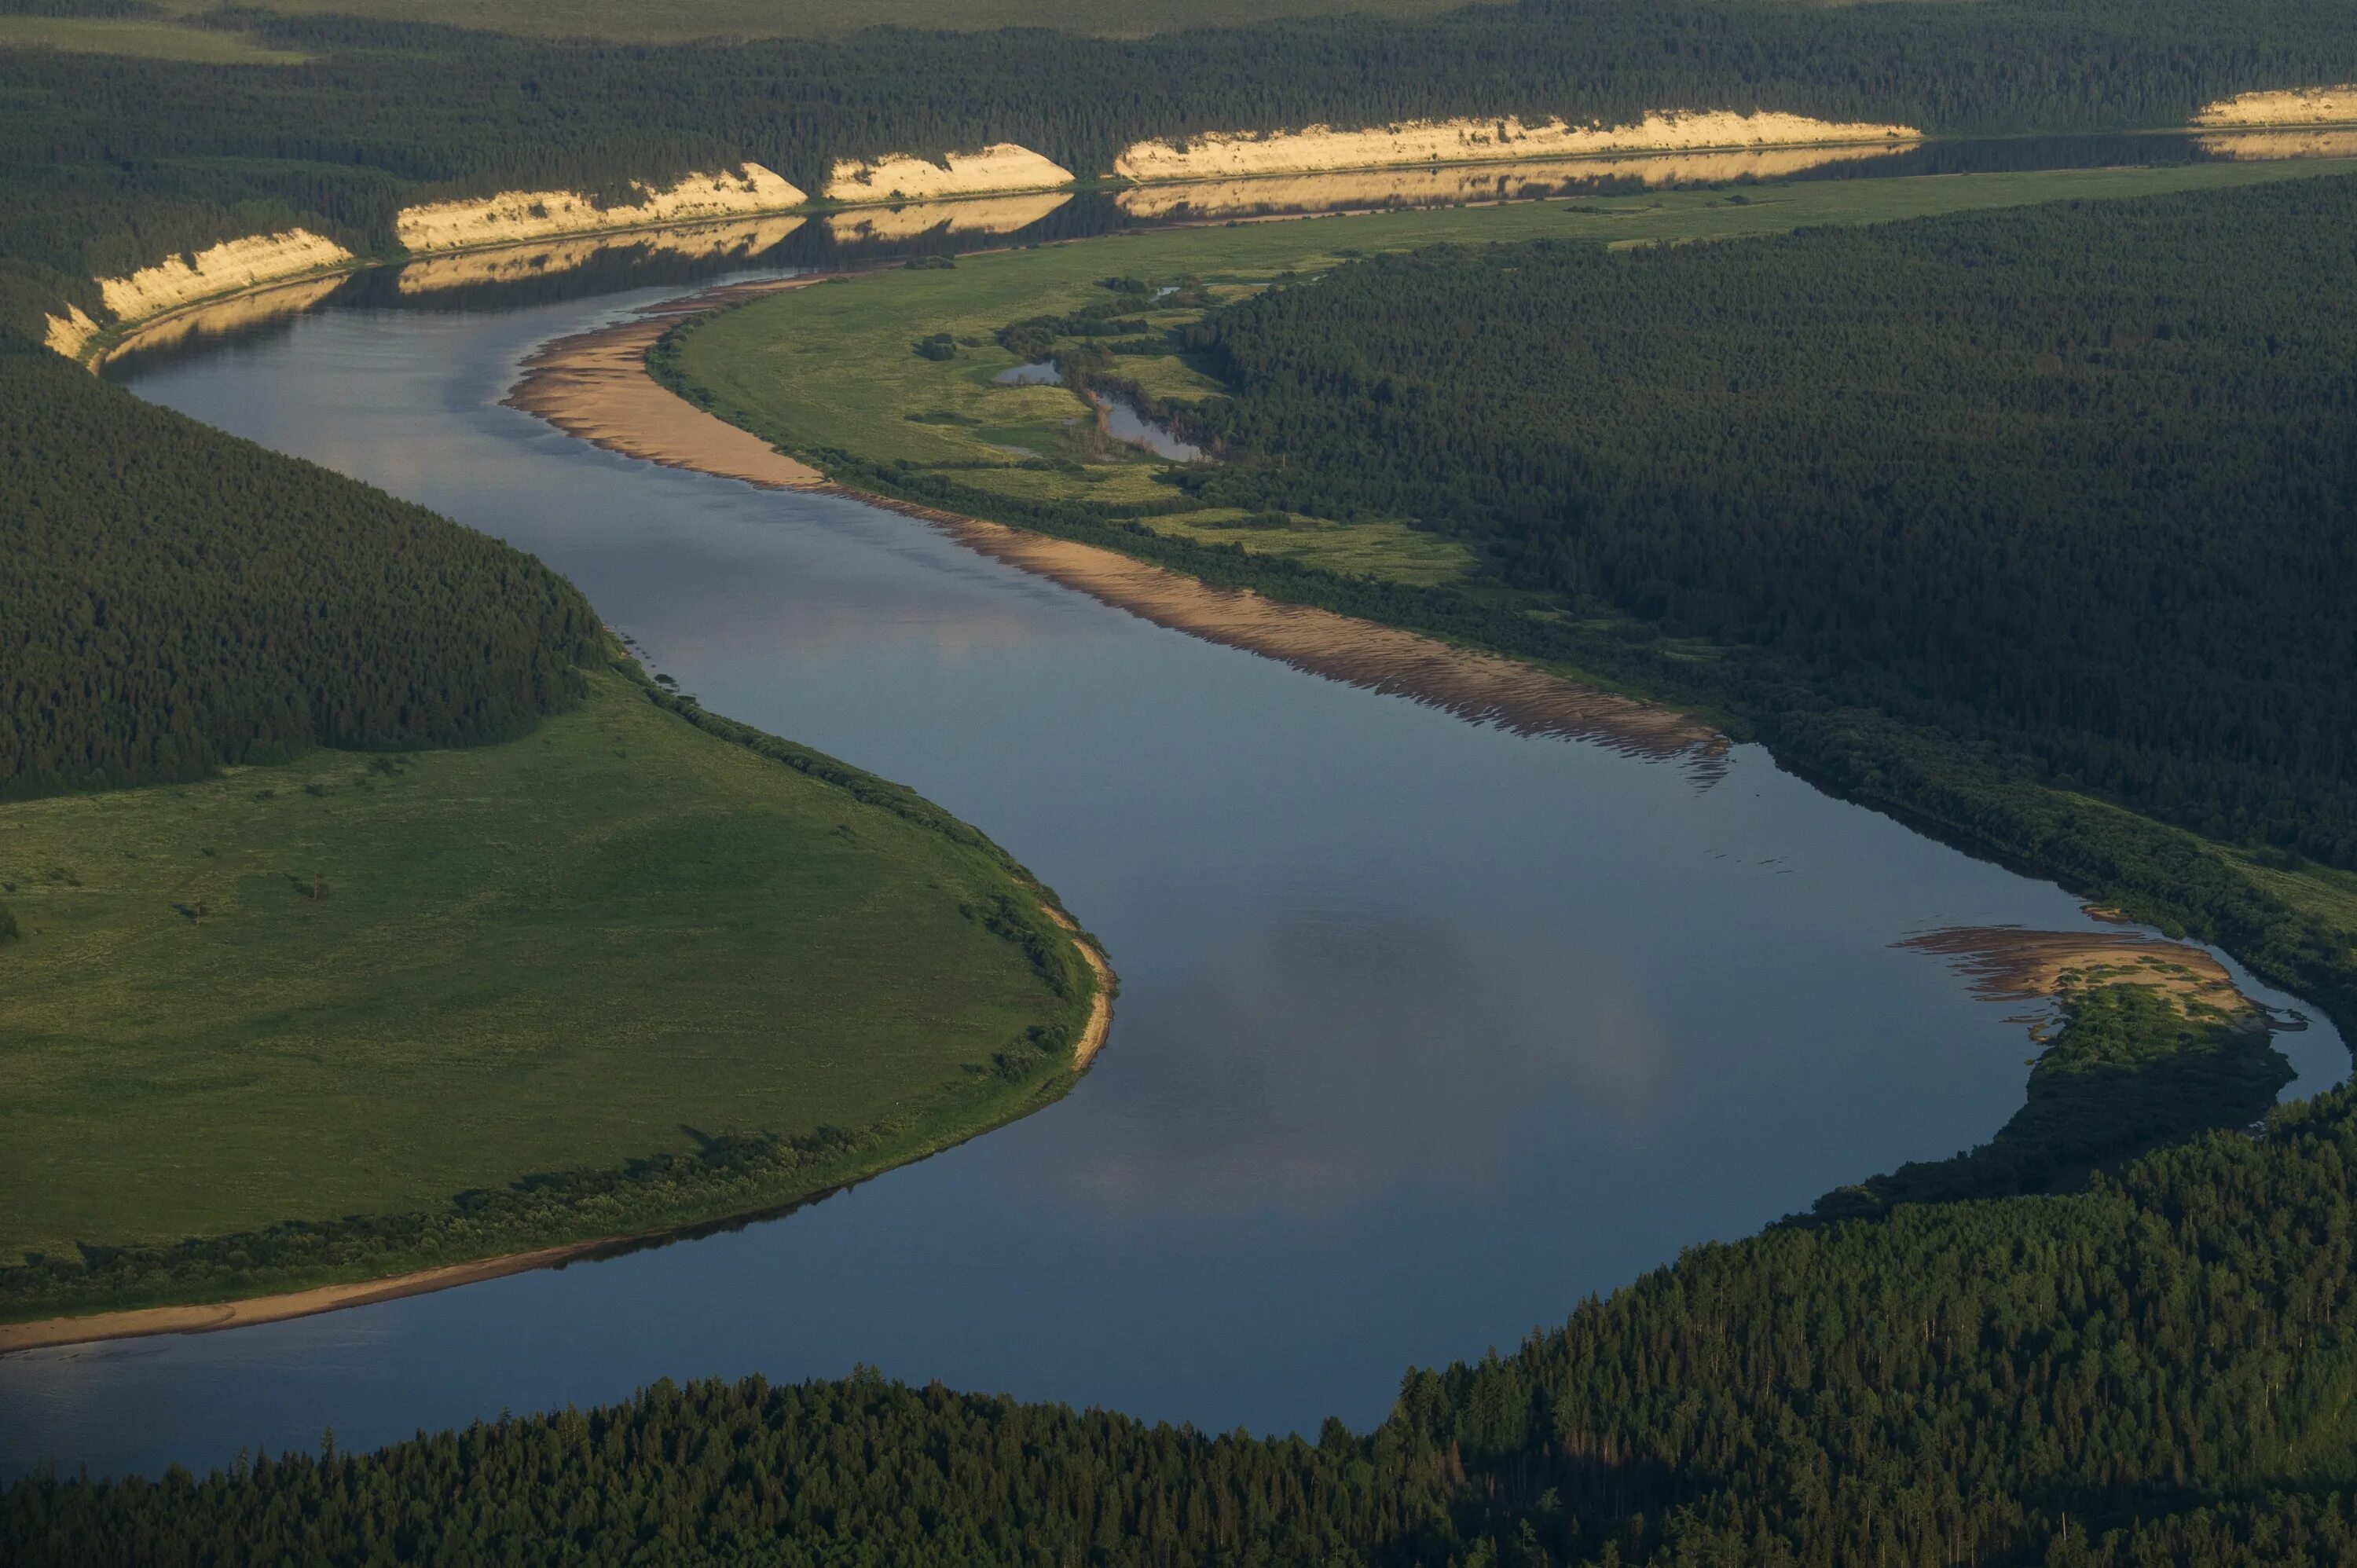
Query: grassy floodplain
198, 1046
830, 373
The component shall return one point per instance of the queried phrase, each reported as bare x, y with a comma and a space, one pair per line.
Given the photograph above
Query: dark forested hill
2079, 481
107, 163
172, 598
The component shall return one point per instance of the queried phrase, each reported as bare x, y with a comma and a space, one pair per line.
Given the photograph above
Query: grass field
149, 38
833, 369
587, 946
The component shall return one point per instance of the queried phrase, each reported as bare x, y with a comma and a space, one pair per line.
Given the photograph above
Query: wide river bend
1427, 1030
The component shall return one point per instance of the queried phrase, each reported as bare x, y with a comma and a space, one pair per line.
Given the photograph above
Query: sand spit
514, 215
595, 386
1225, 154
747, 238
2284, 106
222, 315
66, 334
985, 215
1354, 191
2009, 962
2269, 147
902, 176
50, 1331
232, 265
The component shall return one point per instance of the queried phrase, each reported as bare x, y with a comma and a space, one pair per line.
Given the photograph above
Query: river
1427, 1030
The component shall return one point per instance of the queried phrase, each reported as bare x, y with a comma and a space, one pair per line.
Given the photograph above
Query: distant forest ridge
113, 164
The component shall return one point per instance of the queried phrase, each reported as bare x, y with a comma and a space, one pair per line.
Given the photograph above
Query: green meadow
362, 984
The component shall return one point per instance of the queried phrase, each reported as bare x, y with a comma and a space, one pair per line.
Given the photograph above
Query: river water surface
1427, 1030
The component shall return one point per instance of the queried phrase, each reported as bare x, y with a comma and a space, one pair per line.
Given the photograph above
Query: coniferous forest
172, 600
2076, 482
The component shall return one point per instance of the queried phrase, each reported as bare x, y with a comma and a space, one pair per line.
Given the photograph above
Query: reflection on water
1125, 424
982, 215
227, 317
2271, 145
727, 244
1043, 373
1454, 185
1428, 1029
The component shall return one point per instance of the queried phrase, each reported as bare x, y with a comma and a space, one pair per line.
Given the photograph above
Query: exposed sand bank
238, 311
2008, 963
66, 334
203, 1319
1001, 166
595, 386
469, 268
514, 215
1434, 186
1224, 155
1481, 687
984, 215
2268, 147
219, 269
2284, 106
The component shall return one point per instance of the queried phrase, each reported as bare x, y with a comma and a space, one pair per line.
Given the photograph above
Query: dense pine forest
111, 163
2073, 483
172, 600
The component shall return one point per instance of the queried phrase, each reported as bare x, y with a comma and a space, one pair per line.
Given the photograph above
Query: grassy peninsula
347, 983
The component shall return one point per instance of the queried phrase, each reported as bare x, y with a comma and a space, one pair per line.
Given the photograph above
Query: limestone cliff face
230, 266
1229, 154
68, 333
902, 177
2284, 106
1431, 186
517, 215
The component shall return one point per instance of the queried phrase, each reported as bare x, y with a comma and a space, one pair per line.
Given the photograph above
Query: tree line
173, 599
113, 163
2077, 483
